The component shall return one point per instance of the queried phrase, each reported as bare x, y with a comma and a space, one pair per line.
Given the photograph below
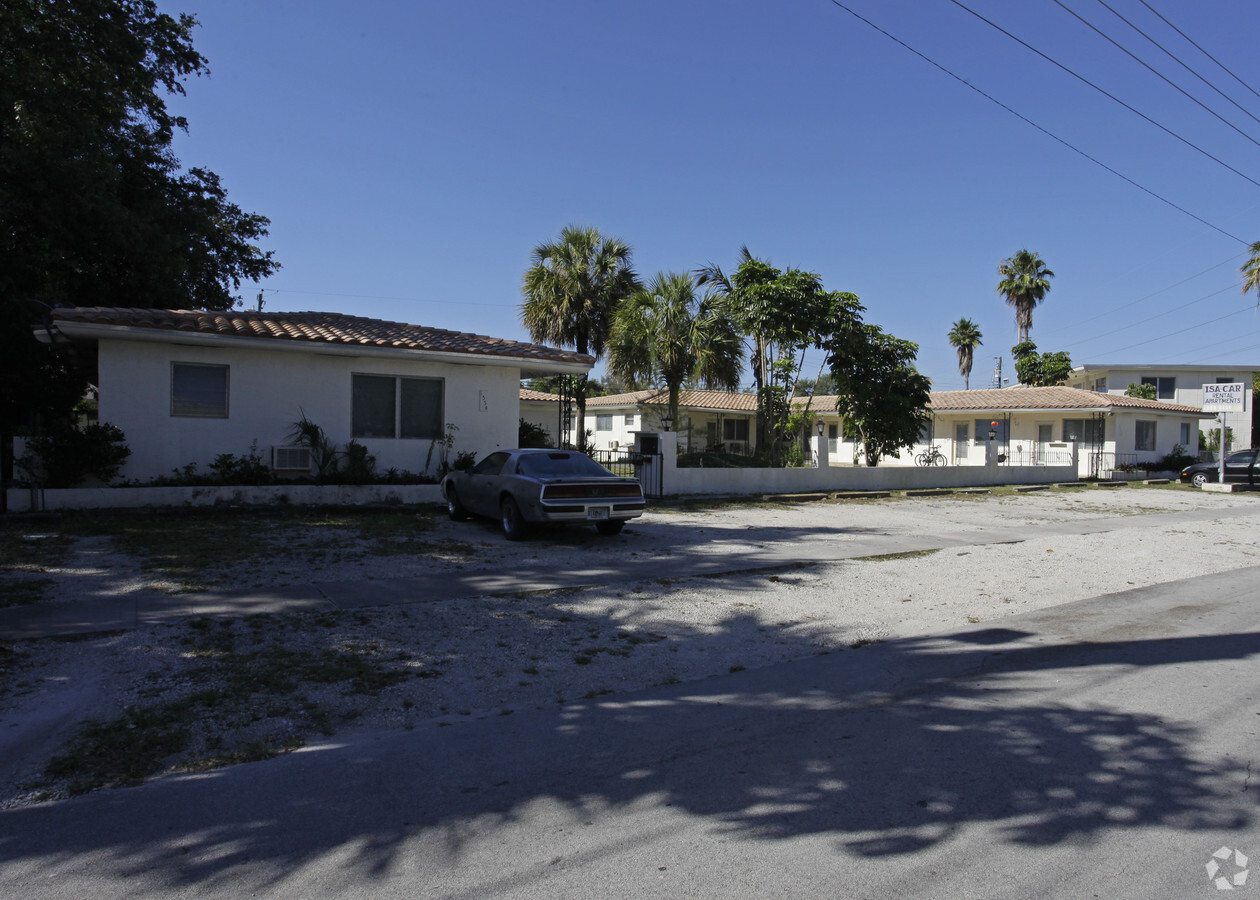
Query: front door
1045, 434
960, 440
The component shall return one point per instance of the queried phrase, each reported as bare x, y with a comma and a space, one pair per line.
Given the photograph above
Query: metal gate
644, 466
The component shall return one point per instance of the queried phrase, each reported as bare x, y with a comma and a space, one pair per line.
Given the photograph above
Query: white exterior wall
543, 413
268, 390
621, 433
1189, 391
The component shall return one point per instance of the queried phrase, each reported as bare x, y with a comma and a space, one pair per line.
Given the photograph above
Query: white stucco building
185, 386
1174, 384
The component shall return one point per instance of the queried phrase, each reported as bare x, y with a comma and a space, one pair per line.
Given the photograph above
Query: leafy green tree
1040, 370
1025, 283
665, 334
94, 206
965, 337
1142, 391
571, 290
783, 313
881, 395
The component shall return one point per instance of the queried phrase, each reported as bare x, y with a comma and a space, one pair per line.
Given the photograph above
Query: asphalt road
1103, 748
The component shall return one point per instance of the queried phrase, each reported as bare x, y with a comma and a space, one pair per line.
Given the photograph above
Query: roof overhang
86, 331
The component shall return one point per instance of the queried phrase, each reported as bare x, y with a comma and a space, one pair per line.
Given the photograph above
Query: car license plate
597, 512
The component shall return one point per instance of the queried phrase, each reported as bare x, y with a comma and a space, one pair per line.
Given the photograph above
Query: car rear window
560, 463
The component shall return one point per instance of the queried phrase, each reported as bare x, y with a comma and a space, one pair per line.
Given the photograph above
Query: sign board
1224, 397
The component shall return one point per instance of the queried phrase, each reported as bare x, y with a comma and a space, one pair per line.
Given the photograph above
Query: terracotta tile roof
1047, 398
631, 399
1029, 398
715, 400
316, 327
527, 394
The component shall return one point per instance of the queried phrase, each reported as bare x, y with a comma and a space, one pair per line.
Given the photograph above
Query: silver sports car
520, 487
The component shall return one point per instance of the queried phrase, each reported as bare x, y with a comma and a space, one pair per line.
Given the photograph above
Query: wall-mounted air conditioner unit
290, 459
614, 445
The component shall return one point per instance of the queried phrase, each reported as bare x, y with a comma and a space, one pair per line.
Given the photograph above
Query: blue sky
411, 154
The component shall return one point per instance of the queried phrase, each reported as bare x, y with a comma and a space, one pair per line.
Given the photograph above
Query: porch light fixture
667, 421
821, 427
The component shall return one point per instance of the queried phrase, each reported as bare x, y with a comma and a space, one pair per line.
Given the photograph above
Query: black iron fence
630, 463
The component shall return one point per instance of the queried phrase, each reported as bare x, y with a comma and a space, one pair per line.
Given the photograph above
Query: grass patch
240, 687
196, 549
905, 554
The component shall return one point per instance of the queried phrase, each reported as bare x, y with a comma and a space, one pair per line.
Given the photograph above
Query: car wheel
514, 527
454, 508
608, 529
1198, 479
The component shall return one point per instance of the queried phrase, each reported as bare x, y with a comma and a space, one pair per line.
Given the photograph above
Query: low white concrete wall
855, 478
26, 500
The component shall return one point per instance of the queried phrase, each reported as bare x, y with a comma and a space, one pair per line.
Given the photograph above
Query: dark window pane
421, 408
984, 426
199, 390
372, 406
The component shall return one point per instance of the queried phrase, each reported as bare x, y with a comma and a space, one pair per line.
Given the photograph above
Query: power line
1105, 93
1144, 299
1154, 71
1167, 312
1164, 337
1179, 62
1044, 131
1200, 49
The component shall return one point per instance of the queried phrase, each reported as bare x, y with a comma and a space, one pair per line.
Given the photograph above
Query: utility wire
1143, 299
1167, 312
1179, 62
1164, 337
1200, 49
1113, 97
1154, 71
1047, 133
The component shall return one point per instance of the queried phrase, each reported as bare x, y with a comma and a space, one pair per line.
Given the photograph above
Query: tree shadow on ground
885, 750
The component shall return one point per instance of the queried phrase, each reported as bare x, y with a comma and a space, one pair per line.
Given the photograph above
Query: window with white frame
1100, 385
603, 422
1184, 435
391, 406
734, 429
1082, 431
629, 420
1165, 386
199, 390
1144, 435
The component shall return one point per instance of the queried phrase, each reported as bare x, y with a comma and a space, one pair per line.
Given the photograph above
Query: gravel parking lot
797, 580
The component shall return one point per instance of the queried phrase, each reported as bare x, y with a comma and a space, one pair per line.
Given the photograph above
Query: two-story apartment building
1174, 384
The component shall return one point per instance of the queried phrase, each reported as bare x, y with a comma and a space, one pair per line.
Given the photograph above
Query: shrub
231, 469
530, 435
360, 466
67, 455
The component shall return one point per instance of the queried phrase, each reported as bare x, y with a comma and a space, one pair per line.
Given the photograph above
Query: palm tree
965, 336
1025, 283
1251, 271
664, 334
572, 288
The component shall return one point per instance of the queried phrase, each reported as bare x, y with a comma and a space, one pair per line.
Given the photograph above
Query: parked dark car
521, 487
1240, 468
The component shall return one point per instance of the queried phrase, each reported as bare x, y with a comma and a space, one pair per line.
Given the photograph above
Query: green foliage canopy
881, 394
95, 209
665, 334
1025, 283
1040, 370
